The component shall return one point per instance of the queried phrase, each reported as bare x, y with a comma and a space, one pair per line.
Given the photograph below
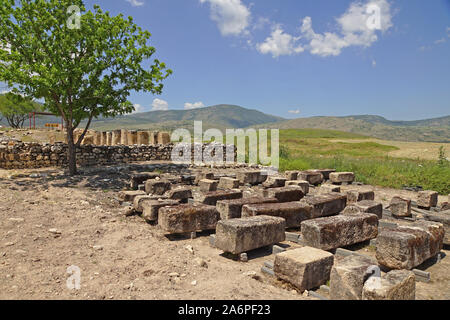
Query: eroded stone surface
348, 276
139, 200
140, 178
150, 208
274, 182
128, 196
228, 183
212, 197
427, 199
400, 207
293, 212
252, 177
291, 175
285, 194
207, 185
326, 173
182, 194
313, 177
188, 218
232, 209
365, 206
304, 185
356, 195
158, 187
203, 175
395, 285
306, 268
339, 177
443, 218
245, 234
327, 188
326, 204
339, 231
405, 247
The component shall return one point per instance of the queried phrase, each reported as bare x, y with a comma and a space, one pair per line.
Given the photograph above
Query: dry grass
410, 150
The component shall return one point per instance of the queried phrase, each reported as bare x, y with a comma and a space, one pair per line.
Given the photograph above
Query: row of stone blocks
350, 277
314, 177
322, 233
251, 223
123, 137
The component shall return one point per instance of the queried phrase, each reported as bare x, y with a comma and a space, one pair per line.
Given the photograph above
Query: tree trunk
71, 151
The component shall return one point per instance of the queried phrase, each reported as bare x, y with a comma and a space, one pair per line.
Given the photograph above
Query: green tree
16, 109
83, 63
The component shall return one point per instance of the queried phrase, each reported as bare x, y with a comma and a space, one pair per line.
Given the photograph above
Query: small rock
194, 283
97, 247
9, 244
54, 231
202, 263
190, 249
174, 274
129, 211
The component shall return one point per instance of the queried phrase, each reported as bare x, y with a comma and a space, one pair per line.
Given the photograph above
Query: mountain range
230, 116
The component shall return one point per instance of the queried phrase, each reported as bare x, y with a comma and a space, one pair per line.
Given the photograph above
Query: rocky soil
51, 222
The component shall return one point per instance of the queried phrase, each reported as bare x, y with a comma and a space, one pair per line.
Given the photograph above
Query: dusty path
119, 258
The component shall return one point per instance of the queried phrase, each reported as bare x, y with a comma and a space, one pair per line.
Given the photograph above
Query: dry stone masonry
23, 155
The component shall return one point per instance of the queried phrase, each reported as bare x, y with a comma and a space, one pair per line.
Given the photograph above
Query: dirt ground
50, 223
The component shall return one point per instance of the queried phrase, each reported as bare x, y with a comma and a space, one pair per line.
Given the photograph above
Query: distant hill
219, 116
231, 116
430, 130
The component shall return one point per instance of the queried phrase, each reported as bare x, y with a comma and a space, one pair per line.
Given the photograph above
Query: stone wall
20, 155
122, 137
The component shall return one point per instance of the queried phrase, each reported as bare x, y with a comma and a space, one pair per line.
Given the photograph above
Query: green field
309, 149
312, 149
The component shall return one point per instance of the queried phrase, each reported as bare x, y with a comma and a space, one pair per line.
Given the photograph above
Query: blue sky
299, 58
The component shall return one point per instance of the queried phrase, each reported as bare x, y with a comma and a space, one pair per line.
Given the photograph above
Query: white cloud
232, 16
294, 111
136, 3
279, 43
448, 31
356, 27
442, 40
195, 105
159, 104
138, 108
374, 63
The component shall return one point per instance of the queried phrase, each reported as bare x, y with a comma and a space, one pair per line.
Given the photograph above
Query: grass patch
312, 149
385, 172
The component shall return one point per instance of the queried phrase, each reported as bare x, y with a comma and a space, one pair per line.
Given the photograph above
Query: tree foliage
16, 109
83, 65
